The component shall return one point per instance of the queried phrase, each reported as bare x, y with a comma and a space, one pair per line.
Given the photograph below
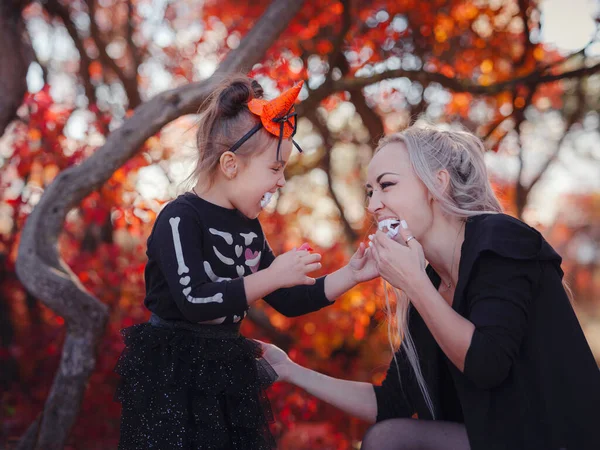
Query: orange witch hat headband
277, 116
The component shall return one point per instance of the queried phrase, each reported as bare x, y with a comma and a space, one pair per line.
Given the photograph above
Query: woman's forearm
353, 397
452, 332
338, 282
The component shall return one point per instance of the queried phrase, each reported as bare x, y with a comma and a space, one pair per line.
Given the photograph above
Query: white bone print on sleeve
183, 268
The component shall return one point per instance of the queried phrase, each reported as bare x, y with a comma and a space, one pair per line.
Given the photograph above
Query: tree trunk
47, 277
15, 56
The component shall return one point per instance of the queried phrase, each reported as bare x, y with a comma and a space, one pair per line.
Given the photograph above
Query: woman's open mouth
391, 227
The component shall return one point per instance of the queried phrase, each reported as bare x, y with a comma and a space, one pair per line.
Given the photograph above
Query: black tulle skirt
189, 386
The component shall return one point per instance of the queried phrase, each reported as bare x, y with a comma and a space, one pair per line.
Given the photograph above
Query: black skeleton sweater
198, 254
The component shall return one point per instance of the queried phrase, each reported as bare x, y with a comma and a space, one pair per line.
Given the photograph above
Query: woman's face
395, 192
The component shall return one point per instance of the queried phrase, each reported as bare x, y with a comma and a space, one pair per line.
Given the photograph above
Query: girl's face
259, 179
395, 192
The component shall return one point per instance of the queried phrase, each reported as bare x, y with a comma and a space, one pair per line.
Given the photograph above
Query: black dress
186, 385
530, 380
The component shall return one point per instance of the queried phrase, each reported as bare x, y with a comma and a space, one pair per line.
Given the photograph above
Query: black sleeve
297, 300
392, 396
177, 246
498, 295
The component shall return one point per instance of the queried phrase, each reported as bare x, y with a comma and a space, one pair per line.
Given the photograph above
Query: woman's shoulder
506, 236
501, 222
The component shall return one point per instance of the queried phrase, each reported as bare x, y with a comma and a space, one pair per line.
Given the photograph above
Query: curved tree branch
46, 276
457, 85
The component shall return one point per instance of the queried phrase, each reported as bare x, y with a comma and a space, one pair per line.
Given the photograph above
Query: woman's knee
391, 434
414, 434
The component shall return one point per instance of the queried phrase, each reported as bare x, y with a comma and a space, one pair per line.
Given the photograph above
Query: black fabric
189, 385
530, 379
205, 287
194, 387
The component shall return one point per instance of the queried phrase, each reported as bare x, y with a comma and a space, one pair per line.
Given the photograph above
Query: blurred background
524, 75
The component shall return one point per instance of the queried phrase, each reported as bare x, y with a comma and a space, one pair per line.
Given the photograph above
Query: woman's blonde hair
469, 193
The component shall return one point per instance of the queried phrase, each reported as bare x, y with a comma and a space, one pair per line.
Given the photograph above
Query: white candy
392, 225
266, 199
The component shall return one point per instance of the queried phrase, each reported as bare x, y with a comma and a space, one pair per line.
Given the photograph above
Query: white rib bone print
227, 236
224, 259
214, 278
182, 268
249, 237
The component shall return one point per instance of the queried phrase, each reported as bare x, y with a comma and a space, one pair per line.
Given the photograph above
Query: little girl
188, 378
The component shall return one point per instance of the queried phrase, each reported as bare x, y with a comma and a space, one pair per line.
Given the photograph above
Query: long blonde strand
403, 336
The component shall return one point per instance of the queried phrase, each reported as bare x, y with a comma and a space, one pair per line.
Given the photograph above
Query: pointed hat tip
283, 103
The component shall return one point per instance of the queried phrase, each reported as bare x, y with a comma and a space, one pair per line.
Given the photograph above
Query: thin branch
326, 166
527, 44
370, 119
494, 127
135, 55
521, 190
456, 85
573, 118
56, 9
129, 82
337, 53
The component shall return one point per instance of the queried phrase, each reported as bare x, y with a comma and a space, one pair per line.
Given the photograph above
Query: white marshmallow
266, 199
392, 231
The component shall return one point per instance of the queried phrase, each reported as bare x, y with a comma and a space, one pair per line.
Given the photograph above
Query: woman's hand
290, 268
277, 358
403, 266
362, 265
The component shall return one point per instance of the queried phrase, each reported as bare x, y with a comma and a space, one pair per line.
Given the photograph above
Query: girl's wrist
272, 279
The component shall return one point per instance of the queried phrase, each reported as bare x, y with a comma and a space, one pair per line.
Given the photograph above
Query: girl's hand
277, 358
403, 266
290, 268
362, 265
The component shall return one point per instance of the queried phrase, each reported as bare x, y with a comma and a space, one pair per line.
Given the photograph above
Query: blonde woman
492, 355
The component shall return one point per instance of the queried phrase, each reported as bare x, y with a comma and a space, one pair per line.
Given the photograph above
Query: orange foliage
104, 238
